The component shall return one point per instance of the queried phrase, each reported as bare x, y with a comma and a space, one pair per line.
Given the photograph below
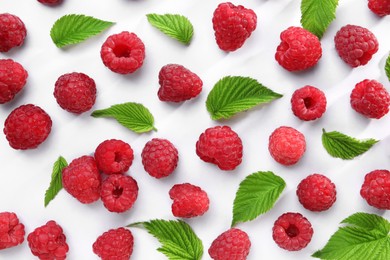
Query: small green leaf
387, 67
256, 195
174, 25
234, 94
56, 180
345, 147
366, 237
317, 15
75, 28
178, 240
133, 116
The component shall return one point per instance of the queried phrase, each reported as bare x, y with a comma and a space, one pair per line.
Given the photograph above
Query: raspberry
50, 2
370, 99
12, 32
379, 7
292, 231
177, 83
114, 156
220, 145
119, 192
48, 242
316, 192
114, 244
11, 230
233, 244
299, 49
12, 79
81, 178
188, 200
27, 126
75, 92
355, 45
123, 53
308, 103
376, 189
159, 158
287, 145
233, 25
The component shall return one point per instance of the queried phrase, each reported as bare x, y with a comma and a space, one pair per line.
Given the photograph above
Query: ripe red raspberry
316, 192
114, 244
81, 178
287, 145
292, 231
48, 242
220, 145
370, 99
13, 77
159, 158
119, 192
233, 244
50, 2
376, 189
355, 45
379, 7
233, 25
12, 32
27, 126
75, 92
123, 53
114, 156
178, 84
299, 49
11, 230
308, 103
188, 200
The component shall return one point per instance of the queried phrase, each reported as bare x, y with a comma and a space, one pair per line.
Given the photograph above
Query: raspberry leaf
178, 240
133, 116
174, 25
56, 180
365, 236
75, 28
234, 94
317, 15
256, 194
387, 67
343, 146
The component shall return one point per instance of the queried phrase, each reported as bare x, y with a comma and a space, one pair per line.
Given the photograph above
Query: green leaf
367, 237
256, 195
345, 147
56, 180
234, 94
75, 28
174, 25
133, 116
317, 15
387, 67
178, 240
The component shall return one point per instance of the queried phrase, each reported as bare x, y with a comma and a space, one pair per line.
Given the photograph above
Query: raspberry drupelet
292, 231
299, 49
308, 103
355, 45
188, 200
13, 78
114, 244
123, 53
11, 230
220, 145
12, 32
114, 156
233, 25
233, 244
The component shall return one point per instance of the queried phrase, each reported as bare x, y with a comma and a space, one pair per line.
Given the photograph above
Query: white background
25, 175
